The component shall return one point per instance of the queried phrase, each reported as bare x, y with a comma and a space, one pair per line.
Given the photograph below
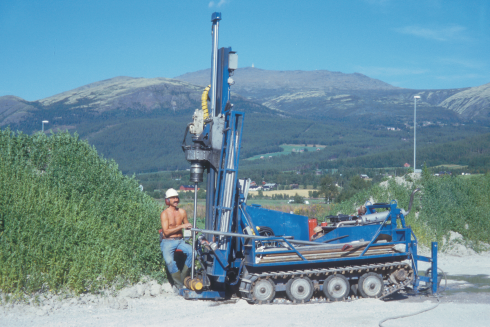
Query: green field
450, 166
289, 148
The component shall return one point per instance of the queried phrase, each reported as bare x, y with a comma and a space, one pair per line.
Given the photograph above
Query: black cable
421, 311
411, 314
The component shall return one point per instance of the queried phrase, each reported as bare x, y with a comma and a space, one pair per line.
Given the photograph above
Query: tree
328, 188
298, 198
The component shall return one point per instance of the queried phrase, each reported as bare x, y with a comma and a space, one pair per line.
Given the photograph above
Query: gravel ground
465, 302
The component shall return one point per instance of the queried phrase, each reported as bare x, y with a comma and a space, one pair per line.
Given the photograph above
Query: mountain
119, 96
123, 92
140, 122
335, 95
262, 84
473, 102
14, 109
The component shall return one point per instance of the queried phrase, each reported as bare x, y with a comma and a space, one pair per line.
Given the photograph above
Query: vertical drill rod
194, 233
214, 62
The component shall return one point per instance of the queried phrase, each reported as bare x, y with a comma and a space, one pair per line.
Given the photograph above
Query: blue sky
50, 46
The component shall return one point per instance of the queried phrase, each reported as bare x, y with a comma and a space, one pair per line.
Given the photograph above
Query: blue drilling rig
262, 255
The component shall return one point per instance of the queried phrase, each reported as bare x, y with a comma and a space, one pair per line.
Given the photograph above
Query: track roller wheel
299, 289
336, 287
263, 291
371, 285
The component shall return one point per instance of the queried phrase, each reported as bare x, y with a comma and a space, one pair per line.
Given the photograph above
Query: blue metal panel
283, 224
216, 16
355, 233
223, 74
305, 264
233, 127
204, 295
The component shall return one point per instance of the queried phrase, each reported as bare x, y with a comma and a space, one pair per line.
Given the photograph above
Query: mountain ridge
324, 92
140, 122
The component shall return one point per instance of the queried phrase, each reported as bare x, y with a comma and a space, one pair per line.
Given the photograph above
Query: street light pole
44, 122
415, 132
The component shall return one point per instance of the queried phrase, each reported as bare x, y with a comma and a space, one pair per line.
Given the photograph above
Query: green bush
455, 203
444, 204
70, 219
298, 198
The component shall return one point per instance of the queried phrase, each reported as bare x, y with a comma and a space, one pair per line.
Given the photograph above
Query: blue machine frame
231, 224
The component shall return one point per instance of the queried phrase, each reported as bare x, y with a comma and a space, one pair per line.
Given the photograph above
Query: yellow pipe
193, 284
204, 102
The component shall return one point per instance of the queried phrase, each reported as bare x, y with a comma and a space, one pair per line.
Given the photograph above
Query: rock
400, 248
460, 250
90, 298
123, 303
455, 236
130, 292
167, 288
155, 289
114, 304
141, 289
107, 301
41, 312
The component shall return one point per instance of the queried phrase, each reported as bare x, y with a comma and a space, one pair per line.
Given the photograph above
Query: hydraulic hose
380, 324
204, 102
411, 201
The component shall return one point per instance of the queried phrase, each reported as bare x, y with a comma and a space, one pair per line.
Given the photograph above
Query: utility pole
415, 132
44, 122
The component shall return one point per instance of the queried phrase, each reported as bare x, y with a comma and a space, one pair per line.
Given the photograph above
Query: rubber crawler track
248, 281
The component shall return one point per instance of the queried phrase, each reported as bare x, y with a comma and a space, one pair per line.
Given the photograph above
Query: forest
143, 141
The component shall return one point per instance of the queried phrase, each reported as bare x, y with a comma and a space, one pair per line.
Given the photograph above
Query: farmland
288, 149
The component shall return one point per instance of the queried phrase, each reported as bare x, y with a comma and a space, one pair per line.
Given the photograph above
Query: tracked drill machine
267, 256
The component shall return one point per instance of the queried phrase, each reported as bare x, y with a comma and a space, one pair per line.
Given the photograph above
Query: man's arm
187, 225
165, 226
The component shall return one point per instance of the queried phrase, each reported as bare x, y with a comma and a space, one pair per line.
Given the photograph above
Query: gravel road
466, 302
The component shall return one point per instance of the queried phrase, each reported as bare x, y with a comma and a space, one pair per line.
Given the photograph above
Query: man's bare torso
171, 218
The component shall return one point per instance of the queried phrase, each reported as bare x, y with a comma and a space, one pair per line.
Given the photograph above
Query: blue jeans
168, 247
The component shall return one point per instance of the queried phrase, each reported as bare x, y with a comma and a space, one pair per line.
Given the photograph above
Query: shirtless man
174, 219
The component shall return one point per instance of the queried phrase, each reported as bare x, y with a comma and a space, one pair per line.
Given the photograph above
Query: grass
450, 166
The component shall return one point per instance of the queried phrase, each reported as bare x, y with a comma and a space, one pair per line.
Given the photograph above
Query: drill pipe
194, 284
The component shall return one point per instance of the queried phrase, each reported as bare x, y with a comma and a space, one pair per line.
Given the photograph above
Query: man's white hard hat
170, 193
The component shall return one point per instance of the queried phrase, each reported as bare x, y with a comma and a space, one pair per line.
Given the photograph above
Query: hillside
121, 93
334, 95
473, 102
259, 83
14, 109
140, 122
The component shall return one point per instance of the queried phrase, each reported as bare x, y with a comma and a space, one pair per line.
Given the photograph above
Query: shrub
298, 198
70, 219
444, 204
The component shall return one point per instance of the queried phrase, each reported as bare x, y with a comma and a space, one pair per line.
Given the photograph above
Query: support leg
434, 280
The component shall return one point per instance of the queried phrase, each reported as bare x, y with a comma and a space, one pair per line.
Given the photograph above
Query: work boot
184, 273
177, 280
